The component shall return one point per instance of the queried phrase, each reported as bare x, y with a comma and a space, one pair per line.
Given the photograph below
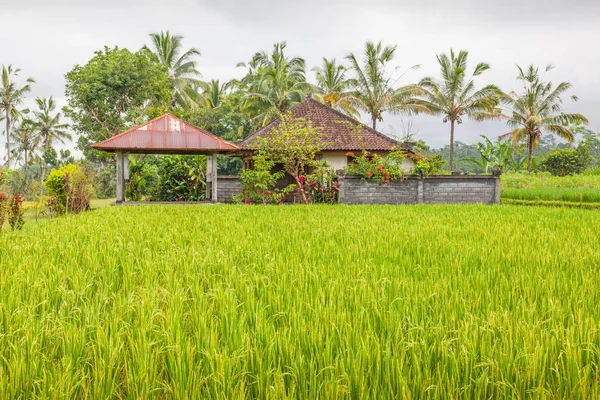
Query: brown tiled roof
166, 134
337, 128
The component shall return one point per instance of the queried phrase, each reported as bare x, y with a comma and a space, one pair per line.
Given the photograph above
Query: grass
578, 195
549, 203
303, 302
546, 181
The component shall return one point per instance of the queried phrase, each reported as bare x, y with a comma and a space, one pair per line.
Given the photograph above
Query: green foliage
562, 162
15, 212
294, 145
375, 167
113, 91
546, 180
181, 178
426, 166
259, 183
143, 176
4, 204
324, 302
72, 186
322, 185
580, 195
498, 155
3, 177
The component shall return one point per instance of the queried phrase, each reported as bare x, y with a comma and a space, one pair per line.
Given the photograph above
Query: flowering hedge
372, 166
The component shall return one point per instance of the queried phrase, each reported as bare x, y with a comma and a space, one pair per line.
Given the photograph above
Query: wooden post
214, 195
207, 190
120, 179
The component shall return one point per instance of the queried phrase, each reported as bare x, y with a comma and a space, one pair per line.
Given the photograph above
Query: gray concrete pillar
420, 195
120, 178
342, 190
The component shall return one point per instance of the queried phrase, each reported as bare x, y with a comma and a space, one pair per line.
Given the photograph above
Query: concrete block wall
227, 187
441, 189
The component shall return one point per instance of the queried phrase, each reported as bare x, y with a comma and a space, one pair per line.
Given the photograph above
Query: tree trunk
529, 153
374, 121
7, 139
26, 170
452, 145
300, 188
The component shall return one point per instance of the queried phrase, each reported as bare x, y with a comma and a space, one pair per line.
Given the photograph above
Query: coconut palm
48, 125
274, 83
333, 87
213, 93
11, 97
455, 96
373, 87
181, 65
539, 108
26, 141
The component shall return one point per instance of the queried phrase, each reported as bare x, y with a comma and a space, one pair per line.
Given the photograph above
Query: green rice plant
312, 302
546, 180
578, 195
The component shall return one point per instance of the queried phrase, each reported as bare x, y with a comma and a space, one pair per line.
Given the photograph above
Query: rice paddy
303, 302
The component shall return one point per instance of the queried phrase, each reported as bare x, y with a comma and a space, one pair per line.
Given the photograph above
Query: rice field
159, 302
575, 195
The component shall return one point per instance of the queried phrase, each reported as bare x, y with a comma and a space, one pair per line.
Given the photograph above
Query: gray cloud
47, 38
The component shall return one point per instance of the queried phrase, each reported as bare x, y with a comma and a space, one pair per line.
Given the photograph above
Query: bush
374, 167
563, 162
181, 178
322, 185
4, 200
71, 185
258, 183
425, 166
15, 212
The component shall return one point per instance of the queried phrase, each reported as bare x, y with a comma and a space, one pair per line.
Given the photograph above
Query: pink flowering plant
321, 184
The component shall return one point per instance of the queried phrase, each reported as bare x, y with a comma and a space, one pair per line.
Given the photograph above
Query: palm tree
333, 87
455, 95
537, 109
213, 93
48, 125
27, 141
181, 66
373, 89
274, 83
11, 97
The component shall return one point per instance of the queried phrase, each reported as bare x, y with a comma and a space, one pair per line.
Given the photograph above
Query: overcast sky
46, 38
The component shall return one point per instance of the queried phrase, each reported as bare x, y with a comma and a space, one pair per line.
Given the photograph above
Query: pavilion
166, 134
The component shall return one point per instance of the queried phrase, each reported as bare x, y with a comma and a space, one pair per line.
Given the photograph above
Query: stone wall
428, 190
227, 187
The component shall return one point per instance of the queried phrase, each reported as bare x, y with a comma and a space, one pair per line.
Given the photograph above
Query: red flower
313, 183
322, 190
369, 173
379, 168
387, 174
301, 179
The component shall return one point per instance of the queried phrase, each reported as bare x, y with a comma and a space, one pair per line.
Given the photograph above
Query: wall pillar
120, 178
214, 195
420, 196
342, 190
496, 190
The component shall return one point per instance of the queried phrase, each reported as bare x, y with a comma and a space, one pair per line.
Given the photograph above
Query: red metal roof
166, 134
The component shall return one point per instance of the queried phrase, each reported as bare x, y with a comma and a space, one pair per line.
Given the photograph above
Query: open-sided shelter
166, 134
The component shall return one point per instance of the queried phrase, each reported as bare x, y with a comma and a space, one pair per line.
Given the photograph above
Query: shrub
321, 185
563, 162
425, 166
15, 212
4, 200
376, 168
258, 183
71, 185
181, 178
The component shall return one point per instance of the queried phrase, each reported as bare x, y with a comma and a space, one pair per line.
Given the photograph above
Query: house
339, 130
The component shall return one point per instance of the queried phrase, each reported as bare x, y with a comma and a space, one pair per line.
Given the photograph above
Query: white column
208, 177
214, 195
120, 178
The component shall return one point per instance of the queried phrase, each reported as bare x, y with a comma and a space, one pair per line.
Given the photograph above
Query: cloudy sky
46, 38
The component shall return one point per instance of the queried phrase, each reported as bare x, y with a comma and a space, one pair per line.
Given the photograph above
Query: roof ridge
165, 115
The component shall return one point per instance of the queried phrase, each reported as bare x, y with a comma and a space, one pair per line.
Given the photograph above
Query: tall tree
213, 93
274, 83
48, 124
113, 91
538, 108
182, 67
455, 95
11, 97
26, 142
373, 85
334, 87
